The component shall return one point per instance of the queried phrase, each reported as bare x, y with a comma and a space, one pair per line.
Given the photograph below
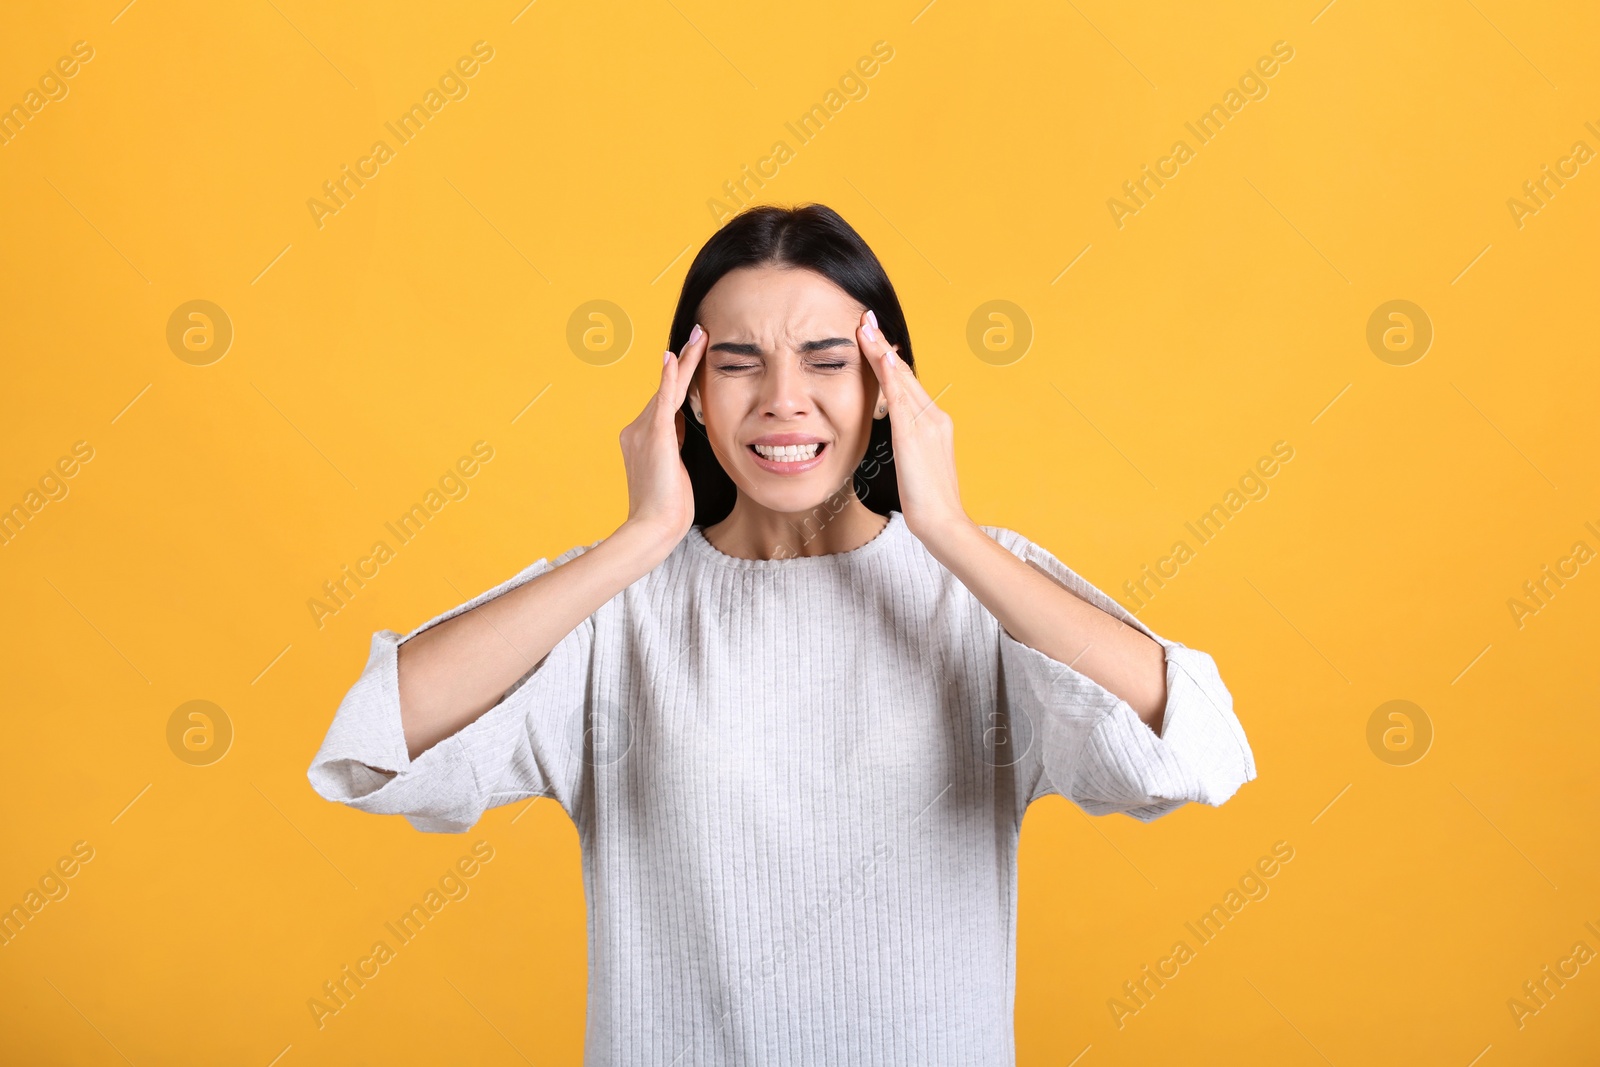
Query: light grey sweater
797, 785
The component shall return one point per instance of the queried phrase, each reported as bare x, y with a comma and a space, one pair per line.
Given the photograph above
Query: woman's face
782, 367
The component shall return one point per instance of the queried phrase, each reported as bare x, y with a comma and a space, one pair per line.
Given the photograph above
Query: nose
783, 389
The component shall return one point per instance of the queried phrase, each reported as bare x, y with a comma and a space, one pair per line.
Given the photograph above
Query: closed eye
749, 366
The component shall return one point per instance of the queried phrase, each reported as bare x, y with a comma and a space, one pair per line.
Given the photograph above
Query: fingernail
867, 331
872, 317
666, 357
696, 333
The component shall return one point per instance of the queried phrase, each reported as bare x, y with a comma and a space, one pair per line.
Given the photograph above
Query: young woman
798, 702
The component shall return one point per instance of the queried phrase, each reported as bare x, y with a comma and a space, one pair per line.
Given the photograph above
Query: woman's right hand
660, 496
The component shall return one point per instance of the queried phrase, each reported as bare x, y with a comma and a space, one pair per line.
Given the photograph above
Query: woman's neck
753, 531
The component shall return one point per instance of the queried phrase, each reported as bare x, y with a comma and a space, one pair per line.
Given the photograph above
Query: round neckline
703, 547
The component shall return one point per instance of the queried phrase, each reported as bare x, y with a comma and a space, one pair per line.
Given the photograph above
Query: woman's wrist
643, 542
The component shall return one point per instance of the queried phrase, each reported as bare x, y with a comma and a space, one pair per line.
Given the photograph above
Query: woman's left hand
924, 441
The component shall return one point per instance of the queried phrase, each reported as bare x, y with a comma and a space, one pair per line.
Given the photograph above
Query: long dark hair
816, 238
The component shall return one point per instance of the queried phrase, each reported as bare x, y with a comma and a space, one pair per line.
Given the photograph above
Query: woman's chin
796, 494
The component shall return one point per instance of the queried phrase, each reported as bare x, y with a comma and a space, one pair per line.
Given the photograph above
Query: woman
798, 702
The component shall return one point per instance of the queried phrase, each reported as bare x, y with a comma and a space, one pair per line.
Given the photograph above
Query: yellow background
1227, 314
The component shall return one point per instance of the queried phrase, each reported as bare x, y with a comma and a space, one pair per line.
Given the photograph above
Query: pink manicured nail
696, 333
872, 317
666, 357
867, 331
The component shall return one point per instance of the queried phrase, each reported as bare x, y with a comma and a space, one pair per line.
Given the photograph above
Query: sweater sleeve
528, 744
1089, 745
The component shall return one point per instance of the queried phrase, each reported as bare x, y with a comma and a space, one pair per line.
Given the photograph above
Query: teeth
787, 453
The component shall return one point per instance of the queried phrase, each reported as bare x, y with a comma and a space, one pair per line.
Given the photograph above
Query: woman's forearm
451, 673
1039, 612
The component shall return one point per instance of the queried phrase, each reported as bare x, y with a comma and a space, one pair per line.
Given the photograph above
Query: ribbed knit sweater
797, 785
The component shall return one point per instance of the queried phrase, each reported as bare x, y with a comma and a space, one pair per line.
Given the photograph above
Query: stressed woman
797, 704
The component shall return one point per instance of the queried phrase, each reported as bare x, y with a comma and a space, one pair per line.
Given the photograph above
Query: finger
907, 387
874, 350
896, 380
910, 386
692, 353
669, 367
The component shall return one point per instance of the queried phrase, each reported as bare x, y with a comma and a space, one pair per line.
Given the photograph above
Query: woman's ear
694, 404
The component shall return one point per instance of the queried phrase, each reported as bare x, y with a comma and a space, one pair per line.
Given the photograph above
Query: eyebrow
744, 348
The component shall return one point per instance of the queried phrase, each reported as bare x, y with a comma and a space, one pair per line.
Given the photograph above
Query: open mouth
789, 453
